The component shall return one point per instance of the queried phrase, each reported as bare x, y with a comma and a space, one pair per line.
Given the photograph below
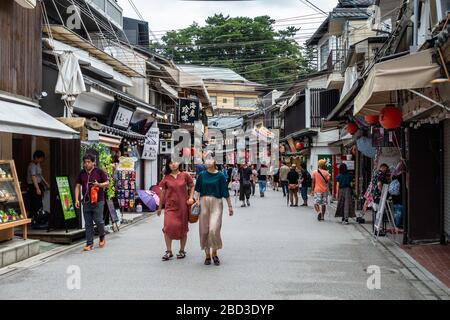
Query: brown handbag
193, 218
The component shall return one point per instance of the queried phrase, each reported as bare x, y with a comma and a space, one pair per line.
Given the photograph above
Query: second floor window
213, 101
324, 53
245, 102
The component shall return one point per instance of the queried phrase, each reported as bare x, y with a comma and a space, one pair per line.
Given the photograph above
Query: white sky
177, 14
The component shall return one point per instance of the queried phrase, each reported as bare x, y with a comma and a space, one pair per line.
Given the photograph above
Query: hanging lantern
391, 117
352, 128
192, 151
299, 146
372, 119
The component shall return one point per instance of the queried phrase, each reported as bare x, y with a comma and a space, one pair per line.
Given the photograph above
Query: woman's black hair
38, 154
167, 170
343, 168
89, 156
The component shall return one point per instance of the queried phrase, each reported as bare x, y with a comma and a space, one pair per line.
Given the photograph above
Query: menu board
65, 196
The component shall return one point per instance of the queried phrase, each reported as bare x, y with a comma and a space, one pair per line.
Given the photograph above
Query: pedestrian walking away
305, 181
36, 184
245, 175
254, 179
293, 178
320, 182
177, 194
89, 189
345, 207
284, 171
210, 190
262, 180
276, 179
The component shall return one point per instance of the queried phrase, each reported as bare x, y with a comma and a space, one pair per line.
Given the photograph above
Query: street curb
53, 253
433, 284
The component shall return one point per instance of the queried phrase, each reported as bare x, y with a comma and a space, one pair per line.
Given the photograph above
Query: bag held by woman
194, 213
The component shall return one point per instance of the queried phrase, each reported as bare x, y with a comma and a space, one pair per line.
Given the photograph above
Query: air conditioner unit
27, 4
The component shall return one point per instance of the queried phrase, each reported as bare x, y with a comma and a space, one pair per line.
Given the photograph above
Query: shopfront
22, 132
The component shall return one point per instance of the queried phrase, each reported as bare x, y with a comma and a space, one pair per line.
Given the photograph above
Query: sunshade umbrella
70, 79
156, 189
148, 199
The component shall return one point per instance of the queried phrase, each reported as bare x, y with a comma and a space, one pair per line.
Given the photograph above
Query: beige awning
413, 71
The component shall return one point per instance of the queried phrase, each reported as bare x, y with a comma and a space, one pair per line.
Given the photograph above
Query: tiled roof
213, 73
349, 13
356, 3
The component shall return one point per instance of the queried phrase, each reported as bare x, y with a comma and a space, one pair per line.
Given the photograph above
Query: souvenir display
126, 189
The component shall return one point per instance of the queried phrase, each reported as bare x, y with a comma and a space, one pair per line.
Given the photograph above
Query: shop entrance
425, 177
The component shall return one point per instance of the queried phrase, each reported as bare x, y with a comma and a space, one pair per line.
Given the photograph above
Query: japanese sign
151, 146
123, 117
189, 111
65, 196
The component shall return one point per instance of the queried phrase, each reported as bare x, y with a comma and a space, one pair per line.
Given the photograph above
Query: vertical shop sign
65, 196
151, 146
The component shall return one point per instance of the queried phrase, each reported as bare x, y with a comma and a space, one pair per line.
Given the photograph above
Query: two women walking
178, 192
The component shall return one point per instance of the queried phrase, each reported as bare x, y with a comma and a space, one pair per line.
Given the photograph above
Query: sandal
167, 256
181, 254
216, 260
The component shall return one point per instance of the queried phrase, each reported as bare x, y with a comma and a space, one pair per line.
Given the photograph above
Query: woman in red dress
176, 196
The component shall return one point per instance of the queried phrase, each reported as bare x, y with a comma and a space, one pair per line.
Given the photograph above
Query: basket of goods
13, 215
4, 196
3, 216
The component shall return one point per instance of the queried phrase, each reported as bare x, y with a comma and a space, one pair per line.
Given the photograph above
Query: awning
408, 72
167, 88
27, 119
63, 34
345, 104
88, 62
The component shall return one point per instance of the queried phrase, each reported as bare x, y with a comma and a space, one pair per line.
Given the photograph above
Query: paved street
270, 252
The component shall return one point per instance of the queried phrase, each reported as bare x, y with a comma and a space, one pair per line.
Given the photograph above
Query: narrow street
271, 251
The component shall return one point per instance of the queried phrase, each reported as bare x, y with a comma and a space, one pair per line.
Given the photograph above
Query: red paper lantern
372, 119
352, 128
192, 151
391, 117
299, 146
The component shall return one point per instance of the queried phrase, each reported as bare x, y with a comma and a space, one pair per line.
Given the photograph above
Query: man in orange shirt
320, 183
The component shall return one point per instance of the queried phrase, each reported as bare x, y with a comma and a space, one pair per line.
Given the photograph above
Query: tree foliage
250, 47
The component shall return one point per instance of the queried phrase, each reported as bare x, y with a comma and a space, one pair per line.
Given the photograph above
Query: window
224, 100
245, 102
276, 120
324, 53
213, 101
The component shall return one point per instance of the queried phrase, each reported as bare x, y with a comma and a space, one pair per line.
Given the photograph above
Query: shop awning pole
429, 99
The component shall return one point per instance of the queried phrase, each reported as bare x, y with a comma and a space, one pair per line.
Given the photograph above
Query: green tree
250, 47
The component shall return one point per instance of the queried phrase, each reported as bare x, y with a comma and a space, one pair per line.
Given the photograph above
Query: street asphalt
271, 251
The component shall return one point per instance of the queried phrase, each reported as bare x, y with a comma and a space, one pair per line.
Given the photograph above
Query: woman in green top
211, 187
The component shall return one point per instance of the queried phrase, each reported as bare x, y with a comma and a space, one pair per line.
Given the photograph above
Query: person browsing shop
36, 183
89, 192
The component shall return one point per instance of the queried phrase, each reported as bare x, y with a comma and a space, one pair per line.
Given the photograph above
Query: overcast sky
176, 14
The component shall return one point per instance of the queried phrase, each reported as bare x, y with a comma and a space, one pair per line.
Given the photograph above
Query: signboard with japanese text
122, 117
151, 146
189, 111
65, 195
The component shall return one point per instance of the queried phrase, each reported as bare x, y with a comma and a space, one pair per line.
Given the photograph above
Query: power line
313, 6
